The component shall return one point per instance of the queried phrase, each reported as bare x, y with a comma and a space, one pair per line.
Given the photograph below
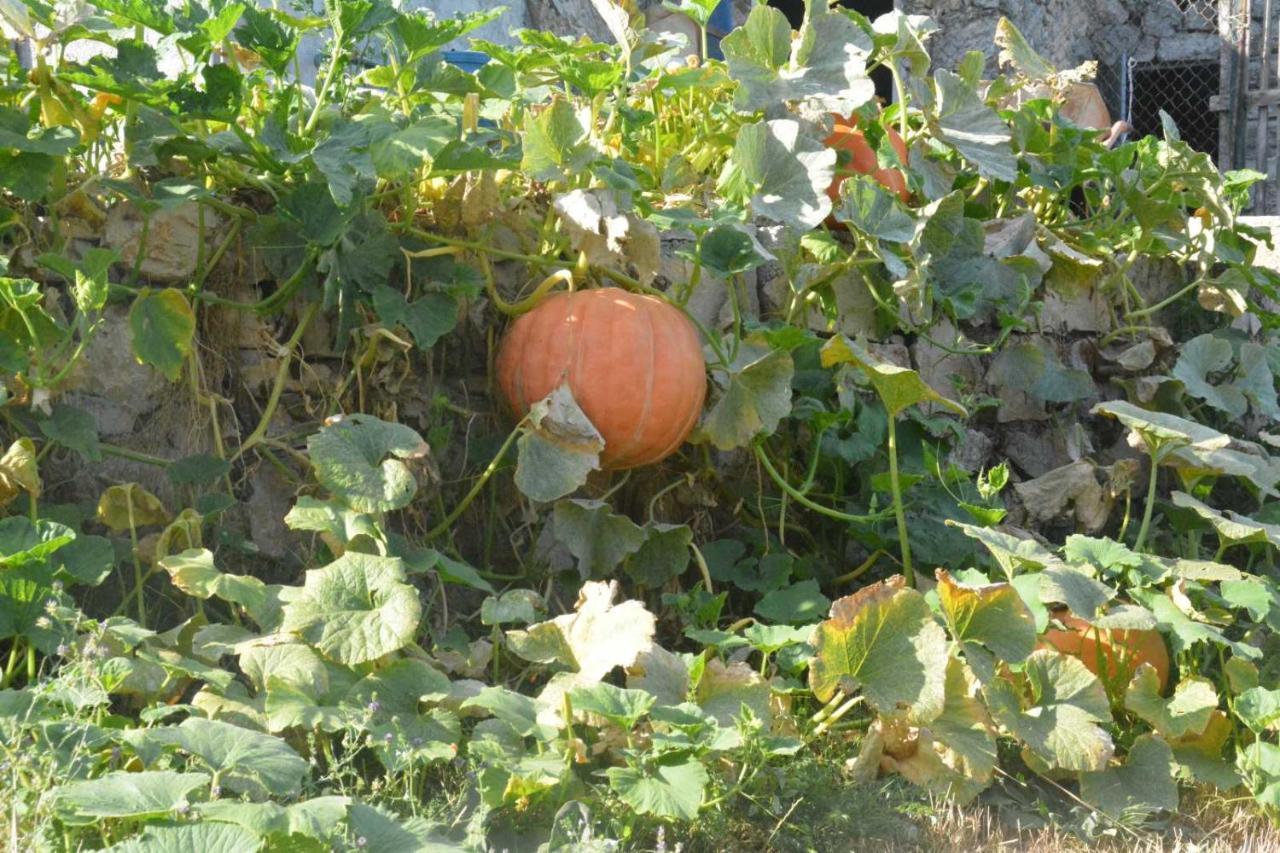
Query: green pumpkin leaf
245, 761
800, 603
825, 66
194, 573
1204, 355
882, 641
972, 128
514, 606
993, 615
163, 326
668, 791
899, 388
782, 172
1185, 713
356, 609
1077, 590
874, 211
1144, 783
596, 536
359, 459
755, 397
428, 319
1059, 724
623, 708
663, 556
192, 838
75, 429
201, 469
152, 793
383, 832
556, 144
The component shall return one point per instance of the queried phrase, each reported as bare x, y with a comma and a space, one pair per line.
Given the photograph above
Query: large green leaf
356, 609
824, 67
993, 615
192, 838
1144, 783
153, 793
598, 538
556, 144
669, 791
244, 761
1060, 722
882, 640
1186, 713
783, 172
428, 318
755, 397
163, 326
1197, 359
972, 128
360, 459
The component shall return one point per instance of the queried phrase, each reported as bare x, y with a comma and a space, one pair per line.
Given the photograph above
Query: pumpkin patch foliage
565, 453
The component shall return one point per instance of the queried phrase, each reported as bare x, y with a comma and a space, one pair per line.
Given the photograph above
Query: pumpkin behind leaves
634, 364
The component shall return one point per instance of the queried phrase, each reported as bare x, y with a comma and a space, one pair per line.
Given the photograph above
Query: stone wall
1069, 32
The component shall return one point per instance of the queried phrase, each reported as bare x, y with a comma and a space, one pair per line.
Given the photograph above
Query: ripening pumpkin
1121, 652
855, 156
634, 364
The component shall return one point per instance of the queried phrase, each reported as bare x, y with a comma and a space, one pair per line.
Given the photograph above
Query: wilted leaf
724, 689
884, 641
1231, 526
18, 471
1143, 783
356, 609
593, 640
559, 450
661, 673
1200, 756
359, 459
130, 505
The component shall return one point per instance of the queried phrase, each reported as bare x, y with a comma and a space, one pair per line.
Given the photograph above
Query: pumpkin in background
1120, 651
855, 156
634, 364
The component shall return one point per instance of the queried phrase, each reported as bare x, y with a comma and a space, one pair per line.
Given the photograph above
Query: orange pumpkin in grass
855, 156
634, 364
1111, 654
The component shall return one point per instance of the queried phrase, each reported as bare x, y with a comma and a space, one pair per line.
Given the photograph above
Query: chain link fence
1138, 91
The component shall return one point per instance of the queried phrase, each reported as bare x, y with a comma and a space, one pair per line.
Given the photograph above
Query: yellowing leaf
992, 614
882, 640
899, 387
129, 505
18, 471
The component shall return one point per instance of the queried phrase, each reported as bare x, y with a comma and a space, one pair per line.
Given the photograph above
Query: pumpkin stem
514, 309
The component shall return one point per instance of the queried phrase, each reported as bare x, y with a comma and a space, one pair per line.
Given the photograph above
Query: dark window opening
872, 9
1183, 90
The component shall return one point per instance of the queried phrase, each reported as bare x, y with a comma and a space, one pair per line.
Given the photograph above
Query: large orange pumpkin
857, 157
1112, 655
634, 364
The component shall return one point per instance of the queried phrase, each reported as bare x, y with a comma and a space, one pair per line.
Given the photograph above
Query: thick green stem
801, 498
1146, 511
896, 487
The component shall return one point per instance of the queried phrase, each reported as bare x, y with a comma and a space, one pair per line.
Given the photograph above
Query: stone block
1183, 47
